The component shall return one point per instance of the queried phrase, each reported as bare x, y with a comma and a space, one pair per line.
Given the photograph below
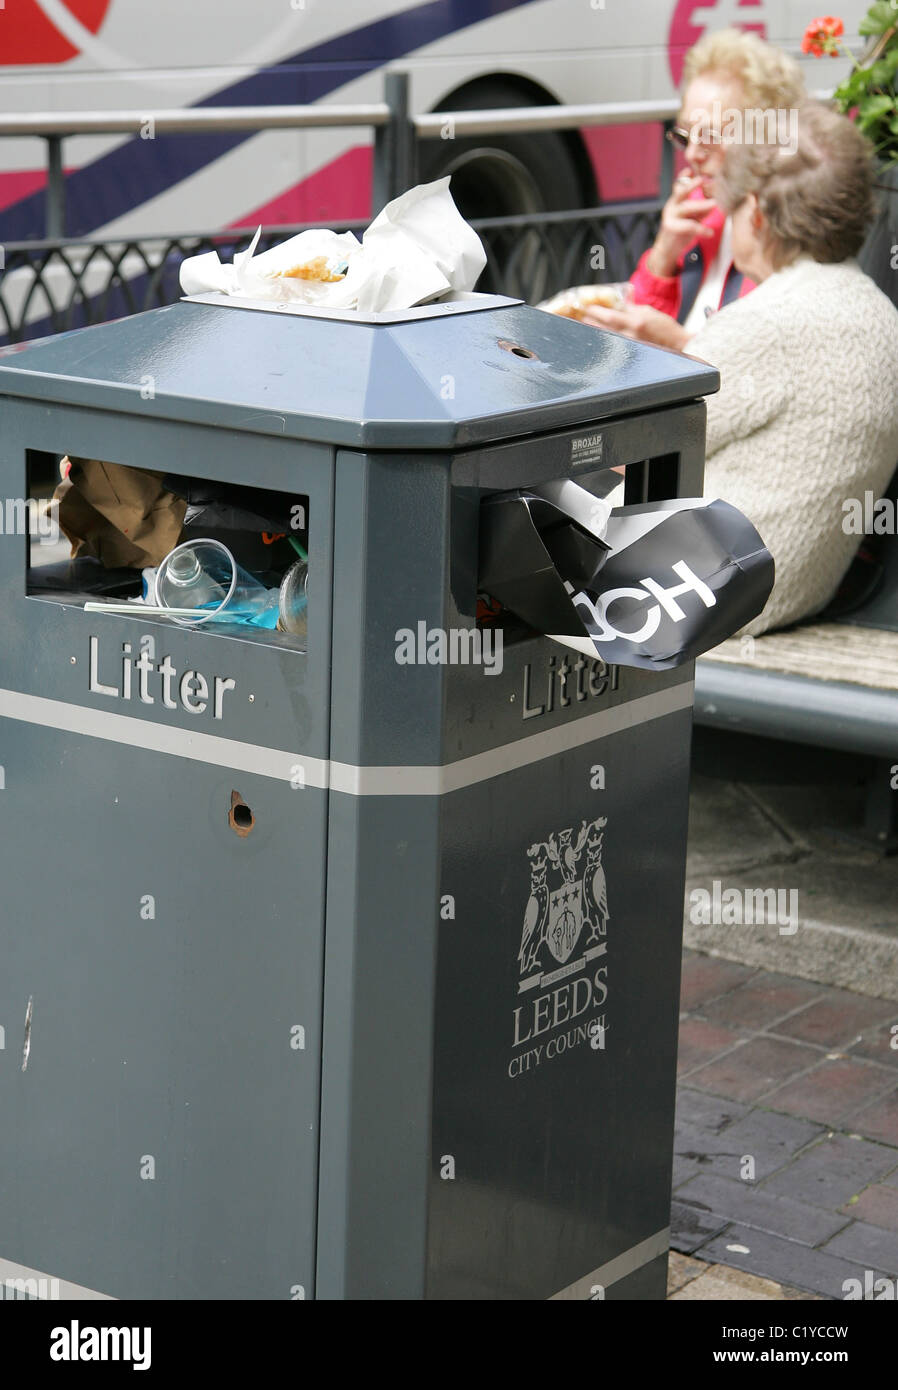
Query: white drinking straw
145, 609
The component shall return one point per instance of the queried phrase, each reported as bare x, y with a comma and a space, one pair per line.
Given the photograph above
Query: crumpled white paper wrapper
417, 249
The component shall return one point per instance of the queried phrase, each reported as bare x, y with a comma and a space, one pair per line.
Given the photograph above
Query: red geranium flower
822, 36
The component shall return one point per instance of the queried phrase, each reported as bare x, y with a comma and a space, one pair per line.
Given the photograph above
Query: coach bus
101, 55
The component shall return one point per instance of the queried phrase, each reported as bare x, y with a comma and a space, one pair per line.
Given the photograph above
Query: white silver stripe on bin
618, 1268
16, 1279
348, 778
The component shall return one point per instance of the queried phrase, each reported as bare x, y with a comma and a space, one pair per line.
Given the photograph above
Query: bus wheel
509, 175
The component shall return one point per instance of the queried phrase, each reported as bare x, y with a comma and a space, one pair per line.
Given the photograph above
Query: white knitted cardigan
806, 417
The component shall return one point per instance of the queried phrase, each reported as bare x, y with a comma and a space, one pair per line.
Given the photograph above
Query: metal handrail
184, 120
53, 127
528, 119
396, 130
427, 125
524, 119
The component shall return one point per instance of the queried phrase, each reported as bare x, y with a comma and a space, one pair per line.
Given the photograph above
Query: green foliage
870, 87
878, 18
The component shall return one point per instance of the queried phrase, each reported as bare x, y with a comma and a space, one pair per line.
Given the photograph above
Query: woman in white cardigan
807, 413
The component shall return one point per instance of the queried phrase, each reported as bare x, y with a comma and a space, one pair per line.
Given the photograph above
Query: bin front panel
556, 1013
448, 1171
161, 972
162, 1140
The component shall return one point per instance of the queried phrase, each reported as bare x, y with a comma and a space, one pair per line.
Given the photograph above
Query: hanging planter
868, 94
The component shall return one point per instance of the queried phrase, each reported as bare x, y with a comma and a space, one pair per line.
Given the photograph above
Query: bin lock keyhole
240, 817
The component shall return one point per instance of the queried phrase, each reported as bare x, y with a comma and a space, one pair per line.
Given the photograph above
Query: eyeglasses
679, 135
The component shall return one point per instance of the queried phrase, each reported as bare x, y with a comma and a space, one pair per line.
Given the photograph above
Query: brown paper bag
123, 516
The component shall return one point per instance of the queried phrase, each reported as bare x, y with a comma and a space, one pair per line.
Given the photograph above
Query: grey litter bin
338, 1056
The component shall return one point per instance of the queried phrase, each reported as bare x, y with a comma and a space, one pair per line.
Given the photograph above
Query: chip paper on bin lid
418, 248
670, 579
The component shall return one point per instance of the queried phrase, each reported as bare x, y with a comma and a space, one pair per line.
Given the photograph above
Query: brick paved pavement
786, 1155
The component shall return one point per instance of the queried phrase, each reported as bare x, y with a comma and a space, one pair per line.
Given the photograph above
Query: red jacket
676, 294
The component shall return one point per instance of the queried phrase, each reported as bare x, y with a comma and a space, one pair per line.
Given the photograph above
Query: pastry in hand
573, 303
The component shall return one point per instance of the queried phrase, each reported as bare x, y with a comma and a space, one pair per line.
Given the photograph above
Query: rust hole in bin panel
518, 350
240, 817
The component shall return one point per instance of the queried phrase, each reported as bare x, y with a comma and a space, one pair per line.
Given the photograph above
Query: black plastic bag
669, 579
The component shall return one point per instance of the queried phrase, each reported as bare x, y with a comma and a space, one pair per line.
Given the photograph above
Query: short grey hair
817, 194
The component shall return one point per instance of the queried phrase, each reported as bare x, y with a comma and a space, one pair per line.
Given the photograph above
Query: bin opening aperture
99, 534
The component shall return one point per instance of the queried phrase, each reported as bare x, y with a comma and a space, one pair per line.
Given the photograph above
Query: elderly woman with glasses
689, 272
807, 413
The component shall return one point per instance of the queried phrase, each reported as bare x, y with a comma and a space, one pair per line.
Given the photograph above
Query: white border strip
160, 738
619, 1267
342, 777
437, 781
58, 1288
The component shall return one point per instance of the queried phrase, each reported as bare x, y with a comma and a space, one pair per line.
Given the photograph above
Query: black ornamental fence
55, 285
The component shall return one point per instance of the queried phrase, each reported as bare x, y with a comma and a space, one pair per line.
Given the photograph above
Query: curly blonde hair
769, 77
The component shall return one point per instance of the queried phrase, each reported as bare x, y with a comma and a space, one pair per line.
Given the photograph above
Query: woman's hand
642, 322
681, 221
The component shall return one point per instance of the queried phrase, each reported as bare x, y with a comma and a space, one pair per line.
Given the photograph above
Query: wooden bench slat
837, 652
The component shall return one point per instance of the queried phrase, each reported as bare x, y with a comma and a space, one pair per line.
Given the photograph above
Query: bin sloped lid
448, 382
